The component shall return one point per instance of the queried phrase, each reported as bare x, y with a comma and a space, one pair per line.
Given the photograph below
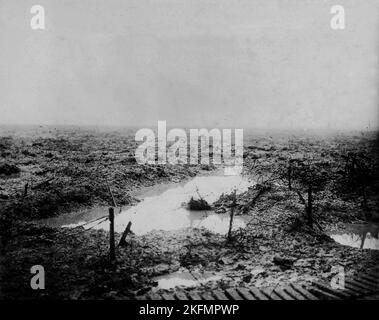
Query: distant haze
246, 63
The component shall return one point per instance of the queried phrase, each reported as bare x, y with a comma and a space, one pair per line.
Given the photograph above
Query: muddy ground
65, 169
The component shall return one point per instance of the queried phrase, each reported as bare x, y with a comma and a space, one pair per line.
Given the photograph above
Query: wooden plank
364, 283
181, 295
270, 293
371, 281
339, 293
220, 295
304, 292
245, 294
257, 293
350, 290
232, 293
370, 278
283, 294
368, 283
194, 295
355, 289
207, 296
296, 295
367, 288
324, 295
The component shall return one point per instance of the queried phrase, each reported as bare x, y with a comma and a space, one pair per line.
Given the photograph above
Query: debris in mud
198, 204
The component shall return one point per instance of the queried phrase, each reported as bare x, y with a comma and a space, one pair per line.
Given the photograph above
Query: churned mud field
56, 185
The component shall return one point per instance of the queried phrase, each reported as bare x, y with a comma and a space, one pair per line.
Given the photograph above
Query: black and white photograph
204, 153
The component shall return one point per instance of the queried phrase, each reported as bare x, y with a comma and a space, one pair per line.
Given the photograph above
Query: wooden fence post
232, 214
112, 254
26, 189
309, 206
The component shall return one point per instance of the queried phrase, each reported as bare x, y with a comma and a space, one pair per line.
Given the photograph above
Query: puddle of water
185, 279
165, 208
362, 236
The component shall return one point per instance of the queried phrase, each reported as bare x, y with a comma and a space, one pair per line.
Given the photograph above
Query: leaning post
232, 214
112, 254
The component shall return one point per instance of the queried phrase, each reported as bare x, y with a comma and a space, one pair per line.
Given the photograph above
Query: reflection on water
363, 236
166, 209
185, 279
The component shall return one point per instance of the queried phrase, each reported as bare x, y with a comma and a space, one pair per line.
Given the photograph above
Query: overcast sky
267, 63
